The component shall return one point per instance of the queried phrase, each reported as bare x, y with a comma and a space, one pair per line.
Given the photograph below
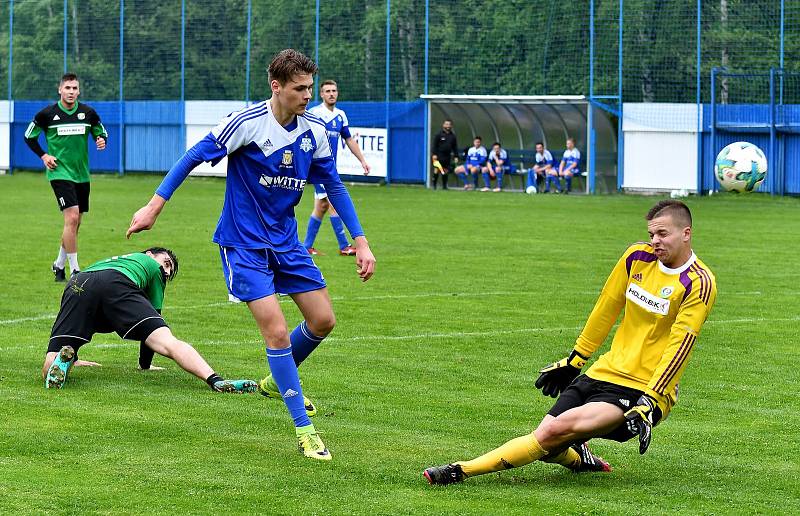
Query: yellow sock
569, 458
513, 454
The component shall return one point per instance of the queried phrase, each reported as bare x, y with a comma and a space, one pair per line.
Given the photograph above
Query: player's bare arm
365, 260
356, 150
145, 217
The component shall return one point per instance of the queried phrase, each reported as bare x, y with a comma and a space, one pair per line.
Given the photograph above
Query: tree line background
507, 47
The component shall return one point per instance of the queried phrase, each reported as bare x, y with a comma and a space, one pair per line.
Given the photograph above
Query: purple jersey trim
641, 256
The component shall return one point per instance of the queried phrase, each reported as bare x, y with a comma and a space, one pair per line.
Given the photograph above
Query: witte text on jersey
287, 183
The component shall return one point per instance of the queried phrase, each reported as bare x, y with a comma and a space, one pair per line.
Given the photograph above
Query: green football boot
267, 387
57, 374
238, 386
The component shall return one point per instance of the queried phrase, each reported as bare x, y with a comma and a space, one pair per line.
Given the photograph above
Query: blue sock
475, 179
569, 183
499, 180
338, 229
486, 179
284, 372
303, 342
311, 232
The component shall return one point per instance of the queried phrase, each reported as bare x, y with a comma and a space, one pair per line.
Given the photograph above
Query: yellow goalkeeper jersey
664, 311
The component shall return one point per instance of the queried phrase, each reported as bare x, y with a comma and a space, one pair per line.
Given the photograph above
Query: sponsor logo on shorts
61, 201
624, 402
647, 300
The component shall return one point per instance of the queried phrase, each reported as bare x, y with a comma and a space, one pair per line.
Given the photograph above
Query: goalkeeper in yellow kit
667, 293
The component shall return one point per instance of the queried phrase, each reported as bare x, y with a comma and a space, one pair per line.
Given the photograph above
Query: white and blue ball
740, 167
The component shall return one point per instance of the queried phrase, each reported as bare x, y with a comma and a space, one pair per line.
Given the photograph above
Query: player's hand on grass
49, 161
146, 216
555, 377
86, 363
365, 260
642, 416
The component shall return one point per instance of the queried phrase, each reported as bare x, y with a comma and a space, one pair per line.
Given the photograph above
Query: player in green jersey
67, 125
124, 294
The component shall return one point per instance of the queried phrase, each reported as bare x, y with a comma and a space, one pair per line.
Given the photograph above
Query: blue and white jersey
476, 156
570, 157
545, 158
268, 167
494, 157
336, 125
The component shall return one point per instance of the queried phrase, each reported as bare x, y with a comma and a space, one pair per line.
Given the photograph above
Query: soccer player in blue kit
336, 123
274, 148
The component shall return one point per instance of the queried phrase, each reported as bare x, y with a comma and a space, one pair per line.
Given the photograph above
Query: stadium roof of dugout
517, 121
506, 99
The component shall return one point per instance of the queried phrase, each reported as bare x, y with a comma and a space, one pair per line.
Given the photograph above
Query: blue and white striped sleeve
234, 130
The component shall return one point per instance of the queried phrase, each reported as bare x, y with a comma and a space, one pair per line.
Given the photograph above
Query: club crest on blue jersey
287, 158
305, 144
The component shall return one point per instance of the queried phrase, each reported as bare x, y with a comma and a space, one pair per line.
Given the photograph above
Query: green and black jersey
66, 132
141, 269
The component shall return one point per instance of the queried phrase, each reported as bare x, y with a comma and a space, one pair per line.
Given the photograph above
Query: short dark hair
288, 63
496, 143
571, 139
539, 143
329, 82
69, 76
477, 138
164, 250
676, 209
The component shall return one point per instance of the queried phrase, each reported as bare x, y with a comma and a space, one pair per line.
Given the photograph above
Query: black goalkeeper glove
555, 377
642, 416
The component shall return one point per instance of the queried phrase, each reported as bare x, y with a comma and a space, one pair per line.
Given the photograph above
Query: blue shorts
319, 192
251, 274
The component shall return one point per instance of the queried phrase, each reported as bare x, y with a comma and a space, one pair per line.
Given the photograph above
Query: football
740, 167
530, 190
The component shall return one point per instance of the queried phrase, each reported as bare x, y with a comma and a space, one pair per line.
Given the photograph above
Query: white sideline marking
284, 299
287, 298
744, 320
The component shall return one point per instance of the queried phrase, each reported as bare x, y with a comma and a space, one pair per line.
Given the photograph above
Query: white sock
73, 262
62, 258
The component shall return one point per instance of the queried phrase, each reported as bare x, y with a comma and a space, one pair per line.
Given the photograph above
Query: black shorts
445, 162
585, 390
102, 302
70, 193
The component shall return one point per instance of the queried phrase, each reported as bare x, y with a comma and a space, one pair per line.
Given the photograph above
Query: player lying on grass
124, 294
667, 293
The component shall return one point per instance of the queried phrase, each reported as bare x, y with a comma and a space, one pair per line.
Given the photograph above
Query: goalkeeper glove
555, 377
642, 416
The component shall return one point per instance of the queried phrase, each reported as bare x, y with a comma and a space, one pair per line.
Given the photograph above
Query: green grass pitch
433, 360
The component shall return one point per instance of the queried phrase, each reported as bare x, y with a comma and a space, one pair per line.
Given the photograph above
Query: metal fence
612, 51
634, 50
